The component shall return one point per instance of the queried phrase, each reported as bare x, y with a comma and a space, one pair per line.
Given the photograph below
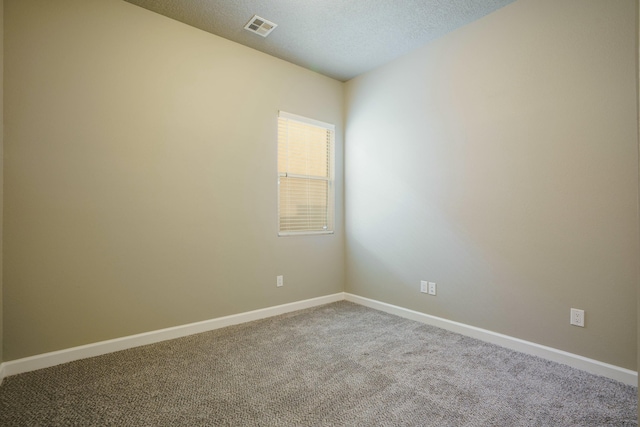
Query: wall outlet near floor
424, 287
432, 288
427, 287
279, 281
577, 317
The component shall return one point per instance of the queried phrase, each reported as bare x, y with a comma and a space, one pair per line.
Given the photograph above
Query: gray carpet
339, 364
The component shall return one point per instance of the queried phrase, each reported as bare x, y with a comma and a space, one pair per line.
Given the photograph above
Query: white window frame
330, 179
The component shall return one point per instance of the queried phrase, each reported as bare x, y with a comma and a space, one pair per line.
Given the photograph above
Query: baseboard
617, 373
46, 360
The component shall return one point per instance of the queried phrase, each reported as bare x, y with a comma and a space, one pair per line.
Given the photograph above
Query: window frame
330, 179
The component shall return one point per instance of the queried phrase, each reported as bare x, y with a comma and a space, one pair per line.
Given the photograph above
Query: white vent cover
260, 26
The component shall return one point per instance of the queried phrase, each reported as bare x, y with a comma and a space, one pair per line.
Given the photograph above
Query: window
305, 175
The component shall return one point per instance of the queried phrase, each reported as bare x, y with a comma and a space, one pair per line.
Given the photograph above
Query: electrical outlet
423, 287
577, 317
432, 288
279, 281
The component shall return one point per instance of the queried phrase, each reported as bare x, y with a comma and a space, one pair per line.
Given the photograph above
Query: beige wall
141, 176
1, 163
137, 198
501, 162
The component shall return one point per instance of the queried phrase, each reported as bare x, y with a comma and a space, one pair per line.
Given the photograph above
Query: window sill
303, 233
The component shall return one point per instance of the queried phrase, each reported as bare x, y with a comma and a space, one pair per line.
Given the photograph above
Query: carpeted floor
339, 364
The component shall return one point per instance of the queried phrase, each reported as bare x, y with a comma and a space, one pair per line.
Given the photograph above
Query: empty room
337, 212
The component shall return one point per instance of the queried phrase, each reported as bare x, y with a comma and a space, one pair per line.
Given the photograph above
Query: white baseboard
617, 373
46, 360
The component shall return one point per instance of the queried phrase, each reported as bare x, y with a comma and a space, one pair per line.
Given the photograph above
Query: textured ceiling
338, 38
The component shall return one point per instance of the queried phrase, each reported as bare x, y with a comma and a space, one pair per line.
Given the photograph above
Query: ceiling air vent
260, 26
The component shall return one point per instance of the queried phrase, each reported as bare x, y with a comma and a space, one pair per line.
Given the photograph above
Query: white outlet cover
279, 281
424, 286
577, 317
432, 288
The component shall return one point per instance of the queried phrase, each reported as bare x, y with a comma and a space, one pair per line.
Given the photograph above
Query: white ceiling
338, 38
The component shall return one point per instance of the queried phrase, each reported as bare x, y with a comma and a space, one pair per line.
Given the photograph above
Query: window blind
305, 175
